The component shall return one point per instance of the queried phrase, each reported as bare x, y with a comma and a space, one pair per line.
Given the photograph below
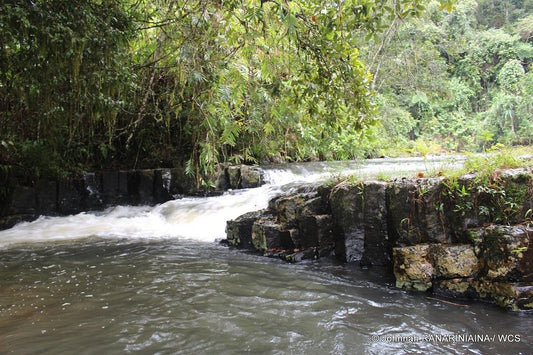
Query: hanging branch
378, 57
157, 57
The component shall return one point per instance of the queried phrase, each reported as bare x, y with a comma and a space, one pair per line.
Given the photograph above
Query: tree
252, 80
106, 83
62, 80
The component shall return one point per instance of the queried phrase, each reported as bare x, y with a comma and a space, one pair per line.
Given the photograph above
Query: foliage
463, 78
484, 191
61, 80
106, 83
121, 83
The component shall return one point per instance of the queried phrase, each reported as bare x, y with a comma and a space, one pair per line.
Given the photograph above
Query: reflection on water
173, 296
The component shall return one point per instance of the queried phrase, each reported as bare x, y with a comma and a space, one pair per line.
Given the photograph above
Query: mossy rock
268, 235
513, 296
453, 261
239, 230
413, 268
506, 253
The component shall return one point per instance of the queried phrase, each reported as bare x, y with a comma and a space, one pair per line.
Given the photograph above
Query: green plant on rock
383, 176
458, 194
519, 251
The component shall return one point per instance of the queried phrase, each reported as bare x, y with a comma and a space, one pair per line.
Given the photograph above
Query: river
153, 280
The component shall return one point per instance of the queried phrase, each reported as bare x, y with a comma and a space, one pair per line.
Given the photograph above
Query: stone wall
99, 190
462, 238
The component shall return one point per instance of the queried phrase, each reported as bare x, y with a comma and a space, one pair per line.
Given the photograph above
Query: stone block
347, 213
506, 254
161, 187
377, 244
70, 196
326, 240
47, 197
24, 201
110, 182
413, 268
239, 230
518, 187
454, 261
510, 295
251, 176
267, 235
234, 176
460, 288
415, 212
290, 207
92, 192
181, 183
123, 186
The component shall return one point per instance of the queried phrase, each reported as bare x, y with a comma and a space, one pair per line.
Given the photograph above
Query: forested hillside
455, 81
100, 84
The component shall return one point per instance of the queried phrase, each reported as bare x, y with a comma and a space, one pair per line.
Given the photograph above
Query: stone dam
463, 238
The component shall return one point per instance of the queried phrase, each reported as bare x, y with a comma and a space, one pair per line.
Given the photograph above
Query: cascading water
202, 219
151, 280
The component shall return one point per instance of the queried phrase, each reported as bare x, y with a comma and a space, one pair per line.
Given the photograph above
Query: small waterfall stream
204, 219
150, 280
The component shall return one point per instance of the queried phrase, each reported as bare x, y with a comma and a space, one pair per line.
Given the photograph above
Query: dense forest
102, 84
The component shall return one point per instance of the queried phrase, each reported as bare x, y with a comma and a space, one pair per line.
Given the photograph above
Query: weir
199, 218
462, 237
151, 279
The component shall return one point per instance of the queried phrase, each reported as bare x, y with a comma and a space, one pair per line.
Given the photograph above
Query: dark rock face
360, 214
46, 196
439, 235
98, 190
24, 201
347, 209
415, 213
70, 194
378, 243
295, 227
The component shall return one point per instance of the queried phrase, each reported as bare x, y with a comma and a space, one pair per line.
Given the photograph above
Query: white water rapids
204, 219
150, 280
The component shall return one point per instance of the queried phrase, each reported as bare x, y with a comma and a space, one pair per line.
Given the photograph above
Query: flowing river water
153, 280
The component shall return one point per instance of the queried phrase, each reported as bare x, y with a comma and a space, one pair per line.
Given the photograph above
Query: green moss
475, 236
259, 238
459, 287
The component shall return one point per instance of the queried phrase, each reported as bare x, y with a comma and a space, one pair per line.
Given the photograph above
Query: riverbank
417, 228
464, 237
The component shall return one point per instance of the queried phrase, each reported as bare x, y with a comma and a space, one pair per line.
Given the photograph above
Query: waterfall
198, 218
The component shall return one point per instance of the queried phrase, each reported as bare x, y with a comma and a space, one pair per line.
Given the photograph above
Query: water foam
202, 219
